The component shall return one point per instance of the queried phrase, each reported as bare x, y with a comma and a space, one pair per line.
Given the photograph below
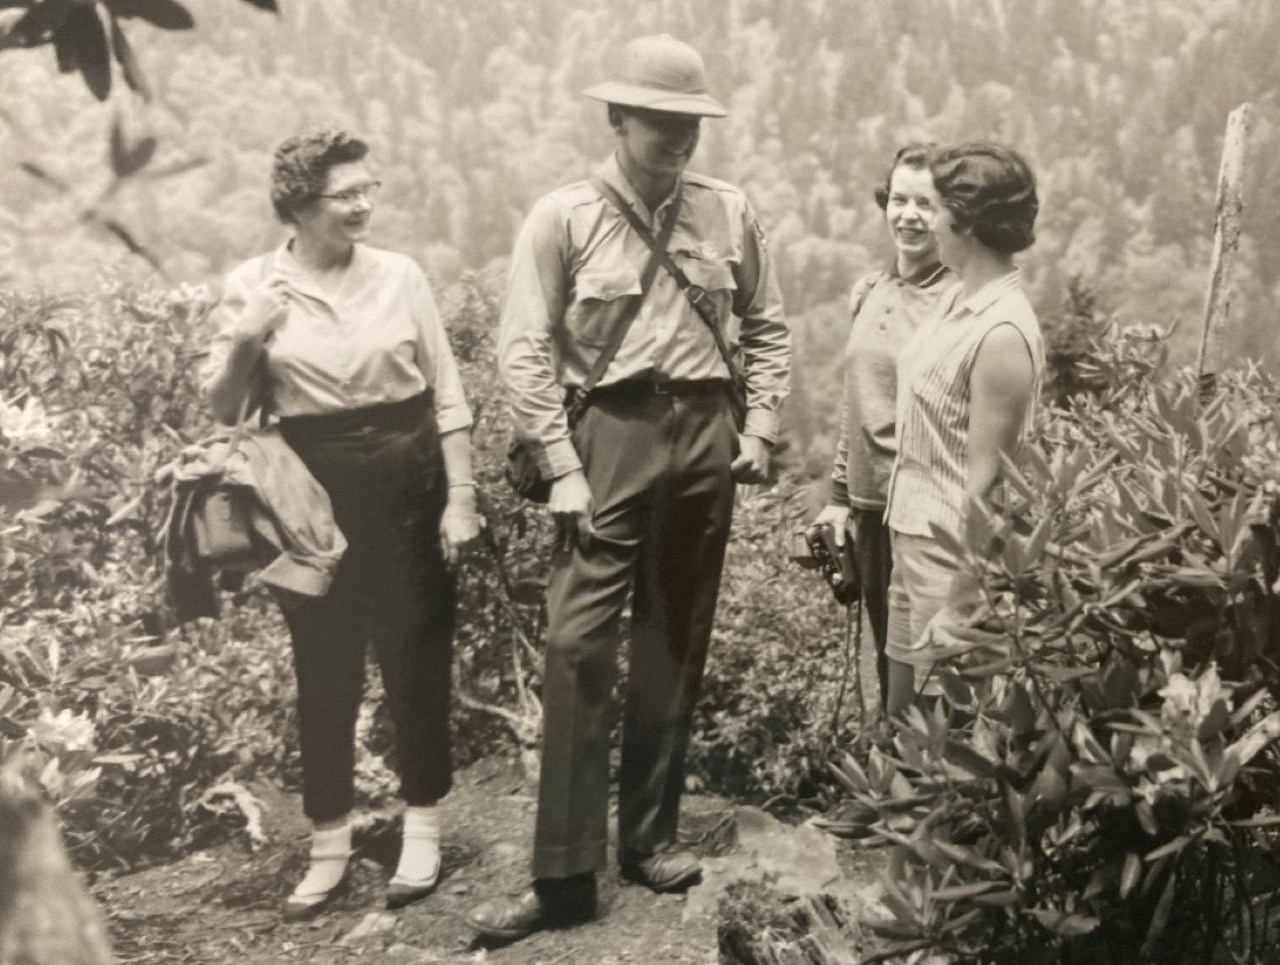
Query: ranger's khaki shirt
576, 254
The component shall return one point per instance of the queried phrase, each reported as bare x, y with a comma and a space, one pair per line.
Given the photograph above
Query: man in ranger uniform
674, 266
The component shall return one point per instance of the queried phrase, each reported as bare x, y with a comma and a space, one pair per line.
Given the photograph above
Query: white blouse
377, 337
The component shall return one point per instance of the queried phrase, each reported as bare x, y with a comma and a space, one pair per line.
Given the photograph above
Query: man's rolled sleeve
765, 337
439, 368
532, 306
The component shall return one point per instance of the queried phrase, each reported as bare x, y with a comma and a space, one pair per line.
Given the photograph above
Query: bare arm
1000, 389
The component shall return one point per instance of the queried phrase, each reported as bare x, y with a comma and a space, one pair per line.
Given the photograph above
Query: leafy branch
87, 36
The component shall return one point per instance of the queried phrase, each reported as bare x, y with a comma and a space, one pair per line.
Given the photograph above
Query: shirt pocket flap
709, 275
606, 284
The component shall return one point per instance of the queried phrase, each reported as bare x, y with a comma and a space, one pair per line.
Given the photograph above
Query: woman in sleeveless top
967, 384
343, 344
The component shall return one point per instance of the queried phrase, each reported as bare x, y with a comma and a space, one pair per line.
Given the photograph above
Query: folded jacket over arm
299, 542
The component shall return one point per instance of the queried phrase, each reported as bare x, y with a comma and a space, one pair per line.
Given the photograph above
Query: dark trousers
658, 467
873, 555
384, 473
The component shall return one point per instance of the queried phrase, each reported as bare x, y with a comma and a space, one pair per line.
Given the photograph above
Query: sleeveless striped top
932, 411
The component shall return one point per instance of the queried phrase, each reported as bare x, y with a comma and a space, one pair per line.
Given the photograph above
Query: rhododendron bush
1100, 781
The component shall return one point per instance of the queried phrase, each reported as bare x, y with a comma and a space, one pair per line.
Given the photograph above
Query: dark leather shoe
549, 903
669, 869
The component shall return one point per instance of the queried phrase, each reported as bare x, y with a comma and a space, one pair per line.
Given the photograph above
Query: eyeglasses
354, 194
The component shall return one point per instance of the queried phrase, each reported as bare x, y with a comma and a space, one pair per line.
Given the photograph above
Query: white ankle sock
420, 847
330, 850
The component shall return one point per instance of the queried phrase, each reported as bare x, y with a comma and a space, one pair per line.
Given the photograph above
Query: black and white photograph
585, 482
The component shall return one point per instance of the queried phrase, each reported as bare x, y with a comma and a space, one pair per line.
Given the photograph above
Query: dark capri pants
383, 470
658, 467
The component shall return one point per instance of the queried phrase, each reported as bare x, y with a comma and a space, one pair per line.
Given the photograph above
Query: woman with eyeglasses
342, 344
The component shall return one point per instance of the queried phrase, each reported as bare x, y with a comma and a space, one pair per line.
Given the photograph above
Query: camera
814, 548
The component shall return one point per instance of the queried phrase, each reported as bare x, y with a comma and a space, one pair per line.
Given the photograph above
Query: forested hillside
474, 110
1112, 750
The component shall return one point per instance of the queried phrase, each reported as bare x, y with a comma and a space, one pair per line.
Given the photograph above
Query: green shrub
1100, 782
124, 719
779, 691
127, 719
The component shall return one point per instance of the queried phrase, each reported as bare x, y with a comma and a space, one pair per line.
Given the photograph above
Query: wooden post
1226, 245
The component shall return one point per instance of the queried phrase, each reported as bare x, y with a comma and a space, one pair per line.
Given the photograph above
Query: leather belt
642, 388
405, 414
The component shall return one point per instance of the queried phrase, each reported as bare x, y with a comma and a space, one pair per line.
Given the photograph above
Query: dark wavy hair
301, 166
990, 190
916, 155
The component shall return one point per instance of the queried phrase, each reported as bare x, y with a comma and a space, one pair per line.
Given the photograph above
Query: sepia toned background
162, 747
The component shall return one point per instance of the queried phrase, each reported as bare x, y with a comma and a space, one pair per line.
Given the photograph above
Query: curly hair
301, 166
990, 190
916, 155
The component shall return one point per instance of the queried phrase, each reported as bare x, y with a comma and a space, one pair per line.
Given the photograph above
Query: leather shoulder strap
696, 295
630, 306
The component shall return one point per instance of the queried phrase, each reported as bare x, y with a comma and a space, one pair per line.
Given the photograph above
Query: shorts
919, 587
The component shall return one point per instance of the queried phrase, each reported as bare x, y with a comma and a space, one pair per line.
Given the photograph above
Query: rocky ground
220, 906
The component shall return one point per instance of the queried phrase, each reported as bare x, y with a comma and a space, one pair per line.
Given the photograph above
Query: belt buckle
662, 387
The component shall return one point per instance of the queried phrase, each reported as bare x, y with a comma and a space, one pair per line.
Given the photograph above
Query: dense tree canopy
474, 110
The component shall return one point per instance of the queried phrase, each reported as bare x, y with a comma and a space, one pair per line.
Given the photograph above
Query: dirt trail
220, 906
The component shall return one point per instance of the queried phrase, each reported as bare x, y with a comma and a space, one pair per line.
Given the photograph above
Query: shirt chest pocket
598, 299
715, 277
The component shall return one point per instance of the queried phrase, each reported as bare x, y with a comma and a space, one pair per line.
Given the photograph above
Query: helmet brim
649, 98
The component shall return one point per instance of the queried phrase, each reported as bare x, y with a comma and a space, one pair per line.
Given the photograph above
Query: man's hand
752, 464
461, 524
571, 507
838, 517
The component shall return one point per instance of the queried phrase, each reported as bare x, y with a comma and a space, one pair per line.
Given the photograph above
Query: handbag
221, 518
221, 528
699, 298
521, 469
